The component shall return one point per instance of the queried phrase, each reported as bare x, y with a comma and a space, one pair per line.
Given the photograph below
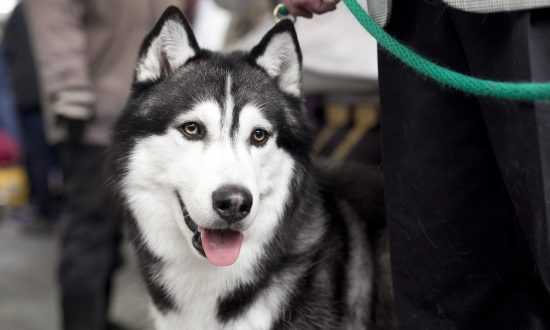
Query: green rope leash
524, 91
471, 85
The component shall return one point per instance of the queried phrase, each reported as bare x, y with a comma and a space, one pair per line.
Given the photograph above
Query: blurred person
8, 119
13, 179
467, 179
85, 53
250, 19
39, 155
13, 184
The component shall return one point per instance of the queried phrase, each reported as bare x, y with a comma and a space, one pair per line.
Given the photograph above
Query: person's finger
328, 5
297, 10
304, 12
319, 6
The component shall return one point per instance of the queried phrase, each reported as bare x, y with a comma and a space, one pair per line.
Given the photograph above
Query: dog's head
208, 146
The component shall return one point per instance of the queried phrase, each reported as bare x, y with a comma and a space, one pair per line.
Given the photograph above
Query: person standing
39, 155
85, 52
467, 179
8, 119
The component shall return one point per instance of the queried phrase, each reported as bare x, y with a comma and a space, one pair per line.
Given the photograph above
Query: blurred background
67, 64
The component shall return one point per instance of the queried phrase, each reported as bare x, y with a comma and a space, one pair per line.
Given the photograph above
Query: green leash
522, 91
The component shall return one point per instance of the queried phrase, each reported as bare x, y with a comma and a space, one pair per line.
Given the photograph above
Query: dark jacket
20, 60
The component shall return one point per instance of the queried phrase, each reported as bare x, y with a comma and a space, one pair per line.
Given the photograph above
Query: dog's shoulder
358, 185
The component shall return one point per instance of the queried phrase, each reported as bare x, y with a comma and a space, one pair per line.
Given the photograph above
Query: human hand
73, 110
74, 128
306, 8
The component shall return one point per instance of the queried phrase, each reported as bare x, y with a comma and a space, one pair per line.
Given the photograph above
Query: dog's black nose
232, 202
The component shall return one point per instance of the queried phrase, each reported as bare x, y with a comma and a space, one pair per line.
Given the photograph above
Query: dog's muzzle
221, 243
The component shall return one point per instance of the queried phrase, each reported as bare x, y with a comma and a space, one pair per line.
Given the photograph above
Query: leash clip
280, 12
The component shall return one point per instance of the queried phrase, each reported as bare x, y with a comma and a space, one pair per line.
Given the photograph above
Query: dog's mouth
220, 246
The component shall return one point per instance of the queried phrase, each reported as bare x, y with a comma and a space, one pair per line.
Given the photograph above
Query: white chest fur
197, 296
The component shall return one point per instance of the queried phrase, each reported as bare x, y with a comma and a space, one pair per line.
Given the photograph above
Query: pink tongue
221, 247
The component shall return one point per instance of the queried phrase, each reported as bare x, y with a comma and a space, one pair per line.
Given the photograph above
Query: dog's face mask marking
218, 166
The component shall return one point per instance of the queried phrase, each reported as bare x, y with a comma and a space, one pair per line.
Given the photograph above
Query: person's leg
451, 222
37, 159
89, 240
516, 47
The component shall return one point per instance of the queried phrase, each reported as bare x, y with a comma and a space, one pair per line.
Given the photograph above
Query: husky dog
234, 224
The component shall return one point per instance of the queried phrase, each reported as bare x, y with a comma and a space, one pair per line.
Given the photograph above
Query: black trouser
90, 239
467, 178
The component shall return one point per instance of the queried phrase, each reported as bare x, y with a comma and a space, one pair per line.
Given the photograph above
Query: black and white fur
314, 254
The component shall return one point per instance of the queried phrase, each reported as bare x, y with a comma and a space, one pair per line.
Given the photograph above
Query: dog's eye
259, 136
192, 130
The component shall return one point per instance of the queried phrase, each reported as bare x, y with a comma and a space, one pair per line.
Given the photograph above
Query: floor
28, 295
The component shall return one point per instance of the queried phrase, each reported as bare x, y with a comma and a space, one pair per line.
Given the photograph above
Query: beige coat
89, 45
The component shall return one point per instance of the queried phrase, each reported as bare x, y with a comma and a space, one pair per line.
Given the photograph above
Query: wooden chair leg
365, 118
337, 116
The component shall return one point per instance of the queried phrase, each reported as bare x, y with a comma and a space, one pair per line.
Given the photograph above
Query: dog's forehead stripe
251, 98
228, 108
236, 111
234, 105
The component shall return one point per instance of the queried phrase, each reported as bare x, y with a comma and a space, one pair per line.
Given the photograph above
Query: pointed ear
167, 47
279, 55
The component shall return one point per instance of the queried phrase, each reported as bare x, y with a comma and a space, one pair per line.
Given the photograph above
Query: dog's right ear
278, 53
167, 47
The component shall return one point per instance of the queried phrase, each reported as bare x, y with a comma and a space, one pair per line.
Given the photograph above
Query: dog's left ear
167, 47
279, 55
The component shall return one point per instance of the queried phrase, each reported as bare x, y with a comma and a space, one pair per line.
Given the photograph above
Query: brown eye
192, 130
259, 136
